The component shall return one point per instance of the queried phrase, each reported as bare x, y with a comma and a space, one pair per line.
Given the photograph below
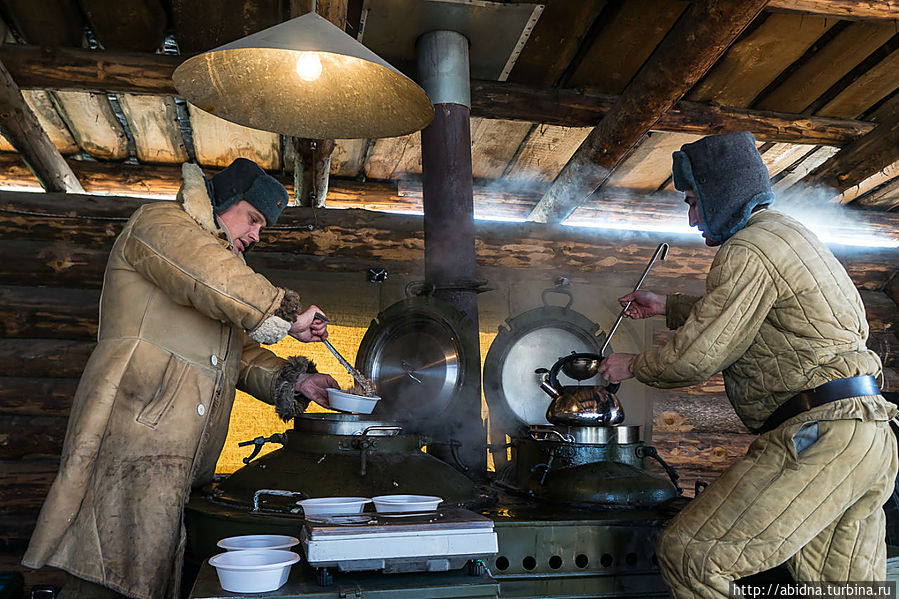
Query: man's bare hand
617, 367
307, 327
644, 304
315, 387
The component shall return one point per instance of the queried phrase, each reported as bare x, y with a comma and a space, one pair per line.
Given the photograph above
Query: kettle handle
554, 371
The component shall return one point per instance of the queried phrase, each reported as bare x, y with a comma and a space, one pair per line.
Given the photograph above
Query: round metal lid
417, 354
345, 424
534, 339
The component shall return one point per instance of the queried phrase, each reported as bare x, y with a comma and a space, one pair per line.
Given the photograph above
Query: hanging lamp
305, 78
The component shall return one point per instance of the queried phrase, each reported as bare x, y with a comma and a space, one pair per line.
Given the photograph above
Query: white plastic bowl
333, 506
253, 570
347, 402
394, 504
258, 542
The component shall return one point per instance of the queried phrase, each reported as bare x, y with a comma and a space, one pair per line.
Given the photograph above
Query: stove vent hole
606, 560
529, 563
582, 560
502, 563
555, 562
631, 559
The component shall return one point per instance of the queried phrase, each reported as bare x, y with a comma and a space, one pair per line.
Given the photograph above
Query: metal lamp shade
255, 82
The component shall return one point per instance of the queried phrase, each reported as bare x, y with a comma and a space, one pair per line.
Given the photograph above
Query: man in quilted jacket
785, 324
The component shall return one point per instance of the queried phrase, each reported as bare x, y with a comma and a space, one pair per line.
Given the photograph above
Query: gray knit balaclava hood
727, 173
245, 180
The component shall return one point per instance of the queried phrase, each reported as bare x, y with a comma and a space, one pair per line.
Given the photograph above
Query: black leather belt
828, 392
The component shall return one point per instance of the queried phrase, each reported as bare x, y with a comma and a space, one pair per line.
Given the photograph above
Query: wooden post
24, 132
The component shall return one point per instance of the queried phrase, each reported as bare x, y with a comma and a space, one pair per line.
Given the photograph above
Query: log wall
54, 250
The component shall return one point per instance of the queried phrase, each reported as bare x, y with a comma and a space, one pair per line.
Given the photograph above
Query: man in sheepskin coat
785, 324
182, 318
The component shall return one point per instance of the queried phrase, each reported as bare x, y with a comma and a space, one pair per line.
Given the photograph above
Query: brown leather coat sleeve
193, 268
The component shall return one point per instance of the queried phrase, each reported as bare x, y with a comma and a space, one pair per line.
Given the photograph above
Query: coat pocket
167, 391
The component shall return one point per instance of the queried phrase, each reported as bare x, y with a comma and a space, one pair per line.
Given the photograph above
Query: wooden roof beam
134, 73
693, 45
851, 10
577, 108
21, 127
860, 159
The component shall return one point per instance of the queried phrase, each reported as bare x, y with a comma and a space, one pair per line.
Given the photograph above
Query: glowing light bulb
309, 66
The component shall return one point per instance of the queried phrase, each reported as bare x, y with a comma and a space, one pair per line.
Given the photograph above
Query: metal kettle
576, 405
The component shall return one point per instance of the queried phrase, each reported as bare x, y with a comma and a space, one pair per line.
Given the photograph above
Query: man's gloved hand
315, 387
617, 367
644, 304
307, 328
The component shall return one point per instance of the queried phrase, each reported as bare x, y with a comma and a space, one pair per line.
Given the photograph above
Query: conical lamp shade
306, 78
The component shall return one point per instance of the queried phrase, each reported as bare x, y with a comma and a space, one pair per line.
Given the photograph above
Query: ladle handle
662, 251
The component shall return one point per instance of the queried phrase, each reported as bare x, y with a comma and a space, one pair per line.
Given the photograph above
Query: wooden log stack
55, 247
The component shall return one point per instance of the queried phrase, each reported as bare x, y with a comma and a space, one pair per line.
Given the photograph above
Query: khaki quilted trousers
820, 511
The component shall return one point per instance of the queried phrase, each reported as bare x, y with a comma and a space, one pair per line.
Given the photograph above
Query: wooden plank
93, 124
827, 66
554, 41
546, 151
880, 310
136, 25
218, 142
73, 68
39, 262
201, 26
24, 484
41, 357
31, 437
688, 51
494, 144
872, 86
47, 23
628, 37
752, 63
21, 127
861, 159
699, 450
842, 9
393, 155
44, 396
154, 124
878, 179
649, 165
42, 106
799, 171
27, 312
885, 197
780, 157
346, 159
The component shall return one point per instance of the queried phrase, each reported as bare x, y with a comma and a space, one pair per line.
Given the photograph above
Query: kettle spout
549, 390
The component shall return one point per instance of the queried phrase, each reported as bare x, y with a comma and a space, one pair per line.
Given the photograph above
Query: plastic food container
253, 570
333, 506
258, 542
347, 402
394, 504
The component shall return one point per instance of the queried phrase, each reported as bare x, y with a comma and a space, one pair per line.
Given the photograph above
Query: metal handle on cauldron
278, 492
565, 438
644, 451
258, 442
660, 254
381, 427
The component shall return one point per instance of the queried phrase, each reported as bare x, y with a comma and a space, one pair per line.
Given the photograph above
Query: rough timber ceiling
816, 80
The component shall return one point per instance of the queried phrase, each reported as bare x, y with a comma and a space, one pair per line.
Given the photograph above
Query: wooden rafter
692, 46
577, 108
860, 159
74, 68
21, 127
851, 10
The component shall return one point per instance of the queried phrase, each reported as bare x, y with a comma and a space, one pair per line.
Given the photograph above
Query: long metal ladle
368, 386
660, 254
